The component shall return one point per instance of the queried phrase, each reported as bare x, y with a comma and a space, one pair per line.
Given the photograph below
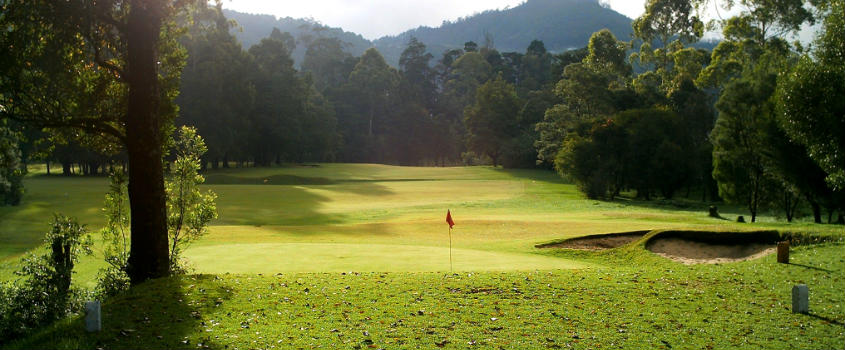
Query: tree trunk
148, 255
817, 212
48, 167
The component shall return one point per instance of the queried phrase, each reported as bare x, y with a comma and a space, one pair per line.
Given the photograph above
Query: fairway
366, 217
353, 255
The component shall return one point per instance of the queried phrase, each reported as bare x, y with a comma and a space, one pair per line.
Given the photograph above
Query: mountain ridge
560, 24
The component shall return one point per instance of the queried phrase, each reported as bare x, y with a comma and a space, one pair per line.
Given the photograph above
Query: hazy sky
376, 18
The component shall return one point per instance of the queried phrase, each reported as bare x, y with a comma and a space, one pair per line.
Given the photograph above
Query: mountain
560, 24
252, 28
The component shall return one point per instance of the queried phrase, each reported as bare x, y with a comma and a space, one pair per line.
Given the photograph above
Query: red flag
449, 218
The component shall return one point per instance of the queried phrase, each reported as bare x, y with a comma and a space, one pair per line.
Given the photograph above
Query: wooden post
783, 252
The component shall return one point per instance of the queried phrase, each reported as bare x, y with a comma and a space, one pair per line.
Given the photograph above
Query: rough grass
642, 301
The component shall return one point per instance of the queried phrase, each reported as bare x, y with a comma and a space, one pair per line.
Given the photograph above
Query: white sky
376, 18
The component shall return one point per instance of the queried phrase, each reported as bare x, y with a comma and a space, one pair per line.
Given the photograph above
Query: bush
43, 293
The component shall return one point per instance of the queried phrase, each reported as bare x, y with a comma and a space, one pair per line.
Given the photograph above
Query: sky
374, 19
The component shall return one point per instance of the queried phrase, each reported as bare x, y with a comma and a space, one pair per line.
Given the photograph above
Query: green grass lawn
364, 217
357, 256
643, 301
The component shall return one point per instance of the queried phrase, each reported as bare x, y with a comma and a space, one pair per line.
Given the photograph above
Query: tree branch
106, 64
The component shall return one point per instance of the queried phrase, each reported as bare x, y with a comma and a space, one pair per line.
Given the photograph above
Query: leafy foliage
811, 98
43, 292
491, 121
11, 173
189, 210
641, 149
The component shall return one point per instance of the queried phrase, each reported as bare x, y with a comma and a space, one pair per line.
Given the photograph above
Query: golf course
358, 256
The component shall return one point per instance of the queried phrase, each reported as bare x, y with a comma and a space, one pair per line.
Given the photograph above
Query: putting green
269, 258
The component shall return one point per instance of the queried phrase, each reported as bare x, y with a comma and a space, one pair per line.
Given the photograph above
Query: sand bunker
711, 248
598, 242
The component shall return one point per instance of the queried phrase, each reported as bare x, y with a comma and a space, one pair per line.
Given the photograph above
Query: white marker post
93, 320
800, 299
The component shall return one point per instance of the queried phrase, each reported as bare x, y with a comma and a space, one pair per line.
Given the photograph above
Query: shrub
43, 293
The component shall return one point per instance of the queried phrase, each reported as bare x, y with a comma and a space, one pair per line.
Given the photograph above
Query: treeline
254, 107
776, 140
757, 121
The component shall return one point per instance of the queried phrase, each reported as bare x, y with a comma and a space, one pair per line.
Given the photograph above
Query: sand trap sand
692, 252
598, 242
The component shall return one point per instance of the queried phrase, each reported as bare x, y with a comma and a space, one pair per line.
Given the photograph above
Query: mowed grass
372, 218
640, 301
356, 256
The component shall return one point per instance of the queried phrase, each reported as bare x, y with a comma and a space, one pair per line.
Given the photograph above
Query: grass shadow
811, 267
160, 314
826, 319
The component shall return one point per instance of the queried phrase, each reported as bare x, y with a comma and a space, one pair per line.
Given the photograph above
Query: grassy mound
597, 242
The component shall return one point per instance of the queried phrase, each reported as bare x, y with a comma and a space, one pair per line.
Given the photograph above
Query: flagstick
450, 250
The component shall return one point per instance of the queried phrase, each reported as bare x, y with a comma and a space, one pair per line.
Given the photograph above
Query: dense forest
755, 121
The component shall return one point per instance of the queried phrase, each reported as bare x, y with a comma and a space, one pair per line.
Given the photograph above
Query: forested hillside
252, 28
560, 24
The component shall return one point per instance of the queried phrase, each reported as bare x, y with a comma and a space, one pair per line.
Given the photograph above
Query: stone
93, 319
800, 299
783, 252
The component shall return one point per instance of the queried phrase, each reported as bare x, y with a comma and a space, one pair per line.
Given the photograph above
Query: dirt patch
712, 248
598, 242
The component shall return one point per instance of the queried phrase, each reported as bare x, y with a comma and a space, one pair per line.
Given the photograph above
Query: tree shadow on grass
811, 267
287, 204
826, 319
167, 313
681, 202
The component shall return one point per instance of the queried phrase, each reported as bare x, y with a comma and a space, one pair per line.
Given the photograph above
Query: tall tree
110, 69
492, 121
216, 92
325, 59
590, 89
811, 97
278, 103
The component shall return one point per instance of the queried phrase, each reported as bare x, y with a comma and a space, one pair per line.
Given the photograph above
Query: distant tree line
757, 121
